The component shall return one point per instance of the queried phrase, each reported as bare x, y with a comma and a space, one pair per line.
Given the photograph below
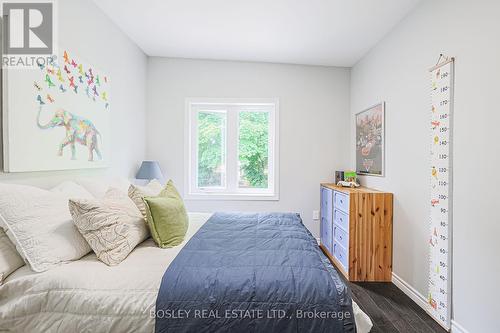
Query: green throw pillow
167, 217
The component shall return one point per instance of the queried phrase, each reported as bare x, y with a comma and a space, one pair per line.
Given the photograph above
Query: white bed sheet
89, 296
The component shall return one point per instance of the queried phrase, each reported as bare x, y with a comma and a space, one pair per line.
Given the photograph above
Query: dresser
356, 231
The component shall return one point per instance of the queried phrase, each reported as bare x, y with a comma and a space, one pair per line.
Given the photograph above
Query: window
232, 149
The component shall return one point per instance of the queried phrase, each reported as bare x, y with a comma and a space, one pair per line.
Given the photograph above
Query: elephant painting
78, 129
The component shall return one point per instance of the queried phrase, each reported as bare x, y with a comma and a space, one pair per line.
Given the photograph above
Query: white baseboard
410, 291
457, 328
421, 301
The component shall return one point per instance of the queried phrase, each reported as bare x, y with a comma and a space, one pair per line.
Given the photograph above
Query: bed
88, 296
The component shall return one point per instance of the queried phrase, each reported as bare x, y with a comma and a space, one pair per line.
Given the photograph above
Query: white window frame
231, 192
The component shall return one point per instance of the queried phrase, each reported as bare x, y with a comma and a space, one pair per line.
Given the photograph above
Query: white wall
396, 71
314, 113
85, 29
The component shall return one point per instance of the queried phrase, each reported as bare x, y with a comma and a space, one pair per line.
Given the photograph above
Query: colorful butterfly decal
73, 63
50, 71
49, 81
97, 80
59, 76
75, 89
80, 79
105, 79
50, 99
87, 76
87, 91
39, 99
62, 88
80, 69
71, 81
66, 58
107, 105
67, 70
37, 86
95, 91
104, 96
89, 82
40, 65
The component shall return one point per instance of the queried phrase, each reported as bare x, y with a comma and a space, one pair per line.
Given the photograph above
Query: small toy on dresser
346, 178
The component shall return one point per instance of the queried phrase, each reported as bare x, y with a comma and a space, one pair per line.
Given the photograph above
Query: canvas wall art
57, 116
370, 141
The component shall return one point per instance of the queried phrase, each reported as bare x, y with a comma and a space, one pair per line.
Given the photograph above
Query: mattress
89, 296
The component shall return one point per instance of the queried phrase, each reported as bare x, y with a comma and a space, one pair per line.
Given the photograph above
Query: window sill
231, 197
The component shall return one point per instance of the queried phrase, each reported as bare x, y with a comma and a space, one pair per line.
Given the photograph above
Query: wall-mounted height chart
440, 173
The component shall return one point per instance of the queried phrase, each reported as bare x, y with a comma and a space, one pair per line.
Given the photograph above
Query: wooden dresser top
349, 190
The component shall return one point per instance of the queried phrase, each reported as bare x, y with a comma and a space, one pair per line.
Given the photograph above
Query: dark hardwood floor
391, 310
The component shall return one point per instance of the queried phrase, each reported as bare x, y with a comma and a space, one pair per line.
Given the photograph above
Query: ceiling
312, 32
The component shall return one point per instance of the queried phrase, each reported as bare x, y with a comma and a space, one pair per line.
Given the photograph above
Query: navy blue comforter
253, 273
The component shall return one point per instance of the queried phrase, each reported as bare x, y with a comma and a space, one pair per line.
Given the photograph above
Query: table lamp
150, 170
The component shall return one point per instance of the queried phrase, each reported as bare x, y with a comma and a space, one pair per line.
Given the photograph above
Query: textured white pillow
136, 193
10, 260
39, 224
113, 227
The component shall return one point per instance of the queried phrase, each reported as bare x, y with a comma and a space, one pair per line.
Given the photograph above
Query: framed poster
56, 116
370, 141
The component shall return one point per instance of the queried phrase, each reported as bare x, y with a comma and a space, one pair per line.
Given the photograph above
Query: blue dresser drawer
340, 236
341, 219
341, 255
341, 201
326, 203
327, 236
326, 210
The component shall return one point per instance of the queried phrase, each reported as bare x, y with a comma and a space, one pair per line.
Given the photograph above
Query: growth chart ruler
441, 208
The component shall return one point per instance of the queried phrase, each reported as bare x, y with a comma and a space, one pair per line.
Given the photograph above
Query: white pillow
39, 224
10, 260
72, 189
100, 185
137, 193
113, 227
